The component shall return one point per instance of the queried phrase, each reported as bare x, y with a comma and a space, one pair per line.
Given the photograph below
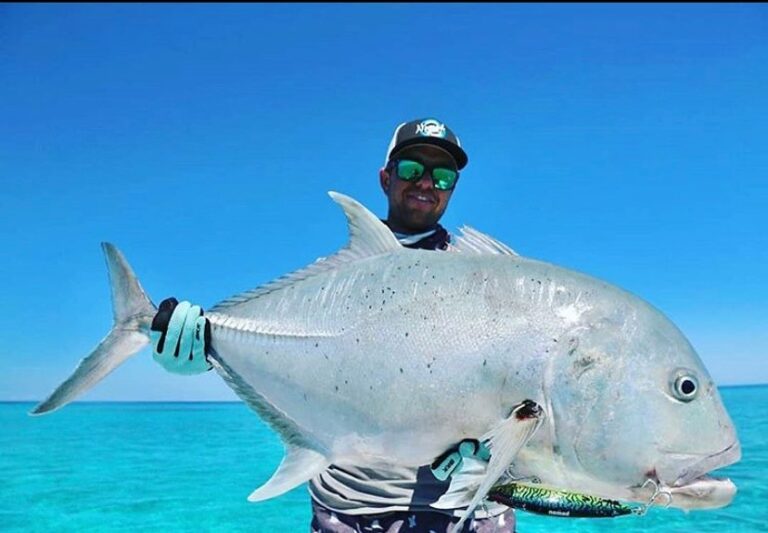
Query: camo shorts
327, 521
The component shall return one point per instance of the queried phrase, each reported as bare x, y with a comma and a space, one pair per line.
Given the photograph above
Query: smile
424, 198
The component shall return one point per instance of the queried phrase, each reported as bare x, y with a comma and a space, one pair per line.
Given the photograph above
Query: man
420, 174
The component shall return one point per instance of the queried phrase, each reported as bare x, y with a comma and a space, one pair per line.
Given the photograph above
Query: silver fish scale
371, 340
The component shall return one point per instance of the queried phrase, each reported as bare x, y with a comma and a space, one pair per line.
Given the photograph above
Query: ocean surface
190, 466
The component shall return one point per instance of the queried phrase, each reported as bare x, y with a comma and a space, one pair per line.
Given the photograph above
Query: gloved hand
180, 335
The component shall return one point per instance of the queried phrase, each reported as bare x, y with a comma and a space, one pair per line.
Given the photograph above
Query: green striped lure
553, 502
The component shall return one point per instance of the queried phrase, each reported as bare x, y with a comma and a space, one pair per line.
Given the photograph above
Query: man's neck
400, 230
435, 238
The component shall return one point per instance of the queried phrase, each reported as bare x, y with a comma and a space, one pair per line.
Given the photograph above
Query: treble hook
509, 476
657, 492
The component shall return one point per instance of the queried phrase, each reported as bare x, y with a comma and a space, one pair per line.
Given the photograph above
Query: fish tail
133, 313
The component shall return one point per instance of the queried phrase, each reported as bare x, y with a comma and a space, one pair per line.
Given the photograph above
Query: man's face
416, 206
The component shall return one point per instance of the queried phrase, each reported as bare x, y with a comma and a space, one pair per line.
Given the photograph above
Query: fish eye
686, 387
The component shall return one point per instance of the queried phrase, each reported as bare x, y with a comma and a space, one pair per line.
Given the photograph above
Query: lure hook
658, 491
510, 476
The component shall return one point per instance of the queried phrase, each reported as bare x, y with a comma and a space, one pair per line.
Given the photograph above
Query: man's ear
384, 180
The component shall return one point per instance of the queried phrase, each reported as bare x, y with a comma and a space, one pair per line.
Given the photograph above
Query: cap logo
431, 128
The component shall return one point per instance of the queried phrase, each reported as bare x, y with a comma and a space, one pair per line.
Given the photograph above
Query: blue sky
625, 141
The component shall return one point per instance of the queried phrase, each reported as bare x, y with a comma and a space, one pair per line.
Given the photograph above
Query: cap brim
456, 152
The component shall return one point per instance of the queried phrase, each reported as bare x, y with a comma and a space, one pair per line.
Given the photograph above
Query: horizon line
737, 386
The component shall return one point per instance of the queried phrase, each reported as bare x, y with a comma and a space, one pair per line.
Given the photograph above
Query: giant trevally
381, 354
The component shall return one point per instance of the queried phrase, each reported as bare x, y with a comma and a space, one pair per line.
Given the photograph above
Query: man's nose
425, 181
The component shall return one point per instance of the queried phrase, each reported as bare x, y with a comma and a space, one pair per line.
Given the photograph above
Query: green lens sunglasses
444, 179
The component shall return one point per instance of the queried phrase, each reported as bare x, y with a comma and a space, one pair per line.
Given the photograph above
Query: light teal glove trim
198, 346
175, 325
186, 334
453, 461
186, 329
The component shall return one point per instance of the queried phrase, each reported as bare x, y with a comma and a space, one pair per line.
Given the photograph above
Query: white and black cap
427, 131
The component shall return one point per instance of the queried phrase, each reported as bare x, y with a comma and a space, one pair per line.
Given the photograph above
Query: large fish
381, 354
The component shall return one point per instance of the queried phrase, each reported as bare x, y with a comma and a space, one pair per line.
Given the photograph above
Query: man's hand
180, 336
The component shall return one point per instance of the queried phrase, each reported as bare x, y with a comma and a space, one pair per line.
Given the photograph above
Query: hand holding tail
180, 335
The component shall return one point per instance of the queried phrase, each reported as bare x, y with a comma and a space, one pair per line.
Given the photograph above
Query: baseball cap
427, 131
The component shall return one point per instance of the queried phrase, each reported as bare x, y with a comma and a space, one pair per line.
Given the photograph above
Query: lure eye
686, 387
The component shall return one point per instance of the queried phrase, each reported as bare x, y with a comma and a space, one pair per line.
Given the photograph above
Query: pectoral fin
299, 465
505, 441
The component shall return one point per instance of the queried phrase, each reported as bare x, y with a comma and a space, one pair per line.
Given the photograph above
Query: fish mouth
695, 487
704, 492
702, 467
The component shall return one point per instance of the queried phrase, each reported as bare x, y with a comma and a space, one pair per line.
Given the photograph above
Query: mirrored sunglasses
444, 179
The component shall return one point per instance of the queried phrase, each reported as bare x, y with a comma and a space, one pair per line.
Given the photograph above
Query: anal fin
299, 465
303, 457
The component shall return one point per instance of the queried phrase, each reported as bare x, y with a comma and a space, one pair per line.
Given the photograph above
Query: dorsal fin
368, 237
473, 241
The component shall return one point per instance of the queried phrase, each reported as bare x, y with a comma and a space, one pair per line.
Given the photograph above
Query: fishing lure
555, 502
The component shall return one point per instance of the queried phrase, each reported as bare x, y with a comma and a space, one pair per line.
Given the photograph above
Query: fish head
630, 401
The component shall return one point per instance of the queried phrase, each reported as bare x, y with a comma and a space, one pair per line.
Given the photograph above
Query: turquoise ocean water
190, 467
